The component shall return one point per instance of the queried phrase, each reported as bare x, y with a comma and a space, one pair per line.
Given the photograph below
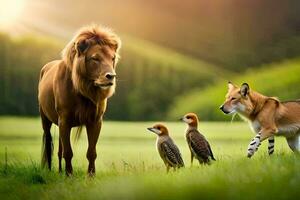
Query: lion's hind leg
47, 148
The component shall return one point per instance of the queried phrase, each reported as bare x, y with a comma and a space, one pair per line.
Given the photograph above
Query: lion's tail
78, 133
47, 150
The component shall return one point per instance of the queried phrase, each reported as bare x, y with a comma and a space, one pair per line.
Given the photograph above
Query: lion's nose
110, 76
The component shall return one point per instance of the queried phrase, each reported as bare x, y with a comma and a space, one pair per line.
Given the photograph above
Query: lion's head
91, 56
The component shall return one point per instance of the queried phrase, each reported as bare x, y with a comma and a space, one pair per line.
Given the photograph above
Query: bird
199, 146
167, 149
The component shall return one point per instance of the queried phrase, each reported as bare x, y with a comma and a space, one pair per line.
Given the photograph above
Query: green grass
278, 79
128, 165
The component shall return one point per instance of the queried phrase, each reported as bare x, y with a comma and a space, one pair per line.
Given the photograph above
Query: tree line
145, 87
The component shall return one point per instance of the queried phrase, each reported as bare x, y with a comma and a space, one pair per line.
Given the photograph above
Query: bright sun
10, 11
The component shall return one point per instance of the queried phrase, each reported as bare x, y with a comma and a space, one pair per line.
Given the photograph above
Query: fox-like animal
267, 116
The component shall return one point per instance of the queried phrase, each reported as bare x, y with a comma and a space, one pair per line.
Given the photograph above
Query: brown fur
73, 91
267, 115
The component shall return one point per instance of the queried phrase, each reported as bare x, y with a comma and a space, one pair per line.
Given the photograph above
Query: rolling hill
278, 79
152, 76
149, 76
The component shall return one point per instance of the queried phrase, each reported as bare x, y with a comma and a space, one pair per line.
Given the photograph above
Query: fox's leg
258, 146
271, 145
294, 143
253, 146
255, 142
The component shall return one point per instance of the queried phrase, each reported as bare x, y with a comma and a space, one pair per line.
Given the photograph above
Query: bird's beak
181, 119
151, 129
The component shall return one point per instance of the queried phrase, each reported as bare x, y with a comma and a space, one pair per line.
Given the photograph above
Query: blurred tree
147, 82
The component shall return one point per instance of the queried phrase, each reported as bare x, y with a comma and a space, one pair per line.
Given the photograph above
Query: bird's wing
211, 153
188, 139
178, 155
199, 145
172, 153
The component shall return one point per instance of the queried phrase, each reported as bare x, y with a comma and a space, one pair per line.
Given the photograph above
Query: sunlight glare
10, 11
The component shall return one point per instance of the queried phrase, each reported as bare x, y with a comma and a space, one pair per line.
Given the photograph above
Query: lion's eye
114, 58
233, 98
95, 59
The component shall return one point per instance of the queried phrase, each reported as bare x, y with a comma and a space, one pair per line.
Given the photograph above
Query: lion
73, 92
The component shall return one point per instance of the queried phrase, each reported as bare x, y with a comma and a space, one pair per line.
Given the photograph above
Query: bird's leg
168, 168
271, 145
201, 162
207, 162
192, 159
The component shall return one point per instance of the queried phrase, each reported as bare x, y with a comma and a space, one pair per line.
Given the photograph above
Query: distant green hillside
149, 77
278, 79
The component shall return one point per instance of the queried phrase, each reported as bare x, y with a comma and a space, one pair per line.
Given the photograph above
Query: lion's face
100, 64
97, 64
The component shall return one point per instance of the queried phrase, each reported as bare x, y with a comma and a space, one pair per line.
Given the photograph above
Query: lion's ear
82, 46
116, 44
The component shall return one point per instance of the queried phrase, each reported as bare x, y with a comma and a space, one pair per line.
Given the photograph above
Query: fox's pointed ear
245, 89
230, 85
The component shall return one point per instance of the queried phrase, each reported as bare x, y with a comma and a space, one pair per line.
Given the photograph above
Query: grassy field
128, 165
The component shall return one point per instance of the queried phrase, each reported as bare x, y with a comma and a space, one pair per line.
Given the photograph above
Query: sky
212, 30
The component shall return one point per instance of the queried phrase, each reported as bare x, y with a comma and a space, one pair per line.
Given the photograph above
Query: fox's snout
223, 109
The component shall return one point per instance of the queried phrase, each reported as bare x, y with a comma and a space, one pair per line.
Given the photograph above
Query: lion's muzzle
106, 81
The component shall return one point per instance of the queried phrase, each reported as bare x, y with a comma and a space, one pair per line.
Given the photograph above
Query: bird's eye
188, 117
158, 128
